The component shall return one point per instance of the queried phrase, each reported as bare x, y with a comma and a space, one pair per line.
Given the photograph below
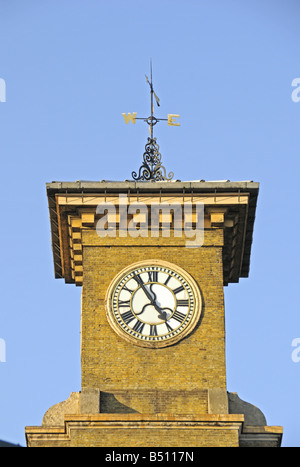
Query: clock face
153, 304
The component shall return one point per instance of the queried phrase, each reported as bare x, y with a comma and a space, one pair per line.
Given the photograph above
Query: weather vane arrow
152, 169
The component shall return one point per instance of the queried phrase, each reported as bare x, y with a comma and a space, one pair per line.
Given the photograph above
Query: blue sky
71, 69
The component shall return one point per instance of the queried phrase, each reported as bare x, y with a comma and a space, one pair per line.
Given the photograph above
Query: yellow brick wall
154, 401
112, 364
164, 437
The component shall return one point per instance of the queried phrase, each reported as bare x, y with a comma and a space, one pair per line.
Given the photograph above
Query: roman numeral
138, 279
153, 330
125, 303
168, 326
127, 317
178, 316
127, 289
182, 303
179, 289
167, 280
153, 276
139, 326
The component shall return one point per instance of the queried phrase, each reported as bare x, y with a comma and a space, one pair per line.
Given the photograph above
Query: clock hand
148, 294
152, 300
144, 288
161, 313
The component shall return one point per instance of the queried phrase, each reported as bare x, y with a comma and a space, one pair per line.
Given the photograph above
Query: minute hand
162, 314
148, 294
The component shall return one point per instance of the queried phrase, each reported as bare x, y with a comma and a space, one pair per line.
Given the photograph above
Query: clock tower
152, 257
152, 313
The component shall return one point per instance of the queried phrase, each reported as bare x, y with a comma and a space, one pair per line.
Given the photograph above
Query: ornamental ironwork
152, 168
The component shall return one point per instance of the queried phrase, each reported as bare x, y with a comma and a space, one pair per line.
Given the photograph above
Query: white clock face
153, 304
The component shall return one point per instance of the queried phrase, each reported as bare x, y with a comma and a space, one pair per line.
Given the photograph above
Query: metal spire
152, 168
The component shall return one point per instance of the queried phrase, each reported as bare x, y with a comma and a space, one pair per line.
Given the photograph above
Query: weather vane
152, 168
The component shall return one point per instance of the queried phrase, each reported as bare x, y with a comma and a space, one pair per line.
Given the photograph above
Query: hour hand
162, 314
